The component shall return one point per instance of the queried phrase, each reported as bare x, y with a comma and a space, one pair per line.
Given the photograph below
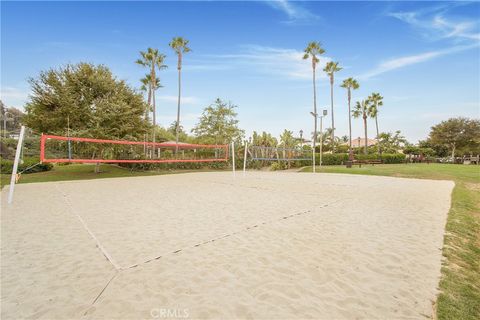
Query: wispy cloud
401, 62
295, 13
283, 62
435, 23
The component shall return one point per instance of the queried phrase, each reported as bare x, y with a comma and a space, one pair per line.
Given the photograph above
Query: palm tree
152, 60
350, 84
377, 101
180, 46
362, 109
313, 50
330, 69
146, 87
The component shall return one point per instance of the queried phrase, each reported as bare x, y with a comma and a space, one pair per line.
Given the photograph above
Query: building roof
360, 142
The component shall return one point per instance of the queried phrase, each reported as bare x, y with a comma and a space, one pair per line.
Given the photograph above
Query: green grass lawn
84, 172
460, 282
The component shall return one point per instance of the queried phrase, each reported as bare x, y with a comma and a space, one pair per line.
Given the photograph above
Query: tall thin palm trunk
315, 113
366, 138
177, 127
378, 136
331, 108
147, 111
350, 151
154, 115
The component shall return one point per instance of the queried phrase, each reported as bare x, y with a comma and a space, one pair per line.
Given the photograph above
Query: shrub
7, 165
385, 157
278, 166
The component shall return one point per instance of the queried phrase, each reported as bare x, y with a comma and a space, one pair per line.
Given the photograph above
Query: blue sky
423, 57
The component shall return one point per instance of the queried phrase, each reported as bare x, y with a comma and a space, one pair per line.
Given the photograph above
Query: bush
7, 165
278, 166
385, 157
330, 159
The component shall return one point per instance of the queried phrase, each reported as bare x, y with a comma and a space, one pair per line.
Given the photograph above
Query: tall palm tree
377, 101
362, 109
313, 50
180, 46
152, 60
147, 88
330, 69
350, 84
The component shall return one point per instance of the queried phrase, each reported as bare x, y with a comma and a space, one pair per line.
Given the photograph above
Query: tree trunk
350, 152
453, 153
378, 137
147, 112
315, 117
366, 138
154, 117
97, 167
333, 119
177, 125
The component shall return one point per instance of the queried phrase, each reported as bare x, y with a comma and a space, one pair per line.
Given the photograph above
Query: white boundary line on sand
85, 226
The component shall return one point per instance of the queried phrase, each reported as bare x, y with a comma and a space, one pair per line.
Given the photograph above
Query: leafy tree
182, 135
392, 142
11, 117
146, 87
91, 98
377, 101
152, 60
327, 140
330, 69
312, 51
218, 124
180, 46
439, 150
456, 133
350, 84
362, 109
264, 140
288, 141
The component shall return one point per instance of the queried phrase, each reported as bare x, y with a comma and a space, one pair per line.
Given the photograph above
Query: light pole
301, 138
324, 113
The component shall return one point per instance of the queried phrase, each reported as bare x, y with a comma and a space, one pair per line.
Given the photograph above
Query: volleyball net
279, 153
61, 149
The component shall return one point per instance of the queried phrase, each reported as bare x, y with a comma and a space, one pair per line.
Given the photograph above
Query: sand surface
204, 245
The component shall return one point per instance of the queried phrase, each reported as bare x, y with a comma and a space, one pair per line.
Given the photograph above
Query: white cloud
400, 62
282, 62
296, 14
435, 25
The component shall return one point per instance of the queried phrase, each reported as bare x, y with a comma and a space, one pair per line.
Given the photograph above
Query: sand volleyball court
205, 245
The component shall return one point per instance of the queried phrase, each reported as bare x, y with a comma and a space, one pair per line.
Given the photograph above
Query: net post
245, 157
15, 165
233, 158
42, 148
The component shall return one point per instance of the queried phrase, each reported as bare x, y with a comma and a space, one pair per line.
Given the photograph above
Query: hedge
7, 165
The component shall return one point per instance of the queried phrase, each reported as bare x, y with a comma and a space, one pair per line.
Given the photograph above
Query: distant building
360, 142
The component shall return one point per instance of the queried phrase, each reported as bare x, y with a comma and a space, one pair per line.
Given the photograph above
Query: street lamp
301, 138
324, 113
